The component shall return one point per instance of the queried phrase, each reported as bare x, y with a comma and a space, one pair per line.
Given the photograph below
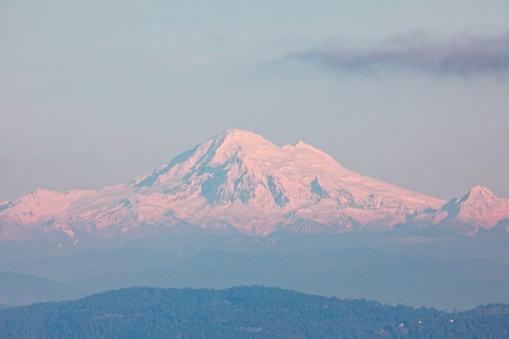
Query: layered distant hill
23, 289
239, 182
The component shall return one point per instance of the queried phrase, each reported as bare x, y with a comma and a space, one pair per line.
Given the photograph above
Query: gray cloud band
464, 55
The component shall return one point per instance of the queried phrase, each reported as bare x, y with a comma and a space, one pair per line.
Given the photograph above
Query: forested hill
242, 312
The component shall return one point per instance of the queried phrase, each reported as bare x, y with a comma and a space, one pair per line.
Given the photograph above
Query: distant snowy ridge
479, 208
240, 181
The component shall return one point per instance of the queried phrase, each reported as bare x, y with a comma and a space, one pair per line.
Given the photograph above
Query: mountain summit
234, 182
479, 208
240, 179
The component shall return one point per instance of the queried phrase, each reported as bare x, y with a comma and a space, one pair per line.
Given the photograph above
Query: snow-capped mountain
478, 208
238, 181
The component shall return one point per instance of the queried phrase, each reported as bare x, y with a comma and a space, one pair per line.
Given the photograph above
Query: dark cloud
462, 55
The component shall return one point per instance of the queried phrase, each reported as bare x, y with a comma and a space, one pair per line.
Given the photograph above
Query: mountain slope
24, 289
249, 183
243, 312
235, 182
479, 208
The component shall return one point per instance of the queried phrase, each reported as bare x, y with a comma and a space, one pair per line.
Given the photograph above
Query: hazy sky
94, 93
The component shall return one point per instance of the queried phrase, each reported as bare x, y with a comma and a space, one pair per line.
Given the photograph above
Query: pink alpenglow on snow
240, 181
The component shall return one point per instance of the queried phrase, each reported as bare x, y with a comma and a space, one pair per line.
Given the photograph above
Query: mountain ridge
244, 312
239, 181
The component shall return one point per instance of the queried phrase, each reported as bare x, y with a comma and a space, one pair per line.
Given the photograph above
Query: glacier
239, 182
